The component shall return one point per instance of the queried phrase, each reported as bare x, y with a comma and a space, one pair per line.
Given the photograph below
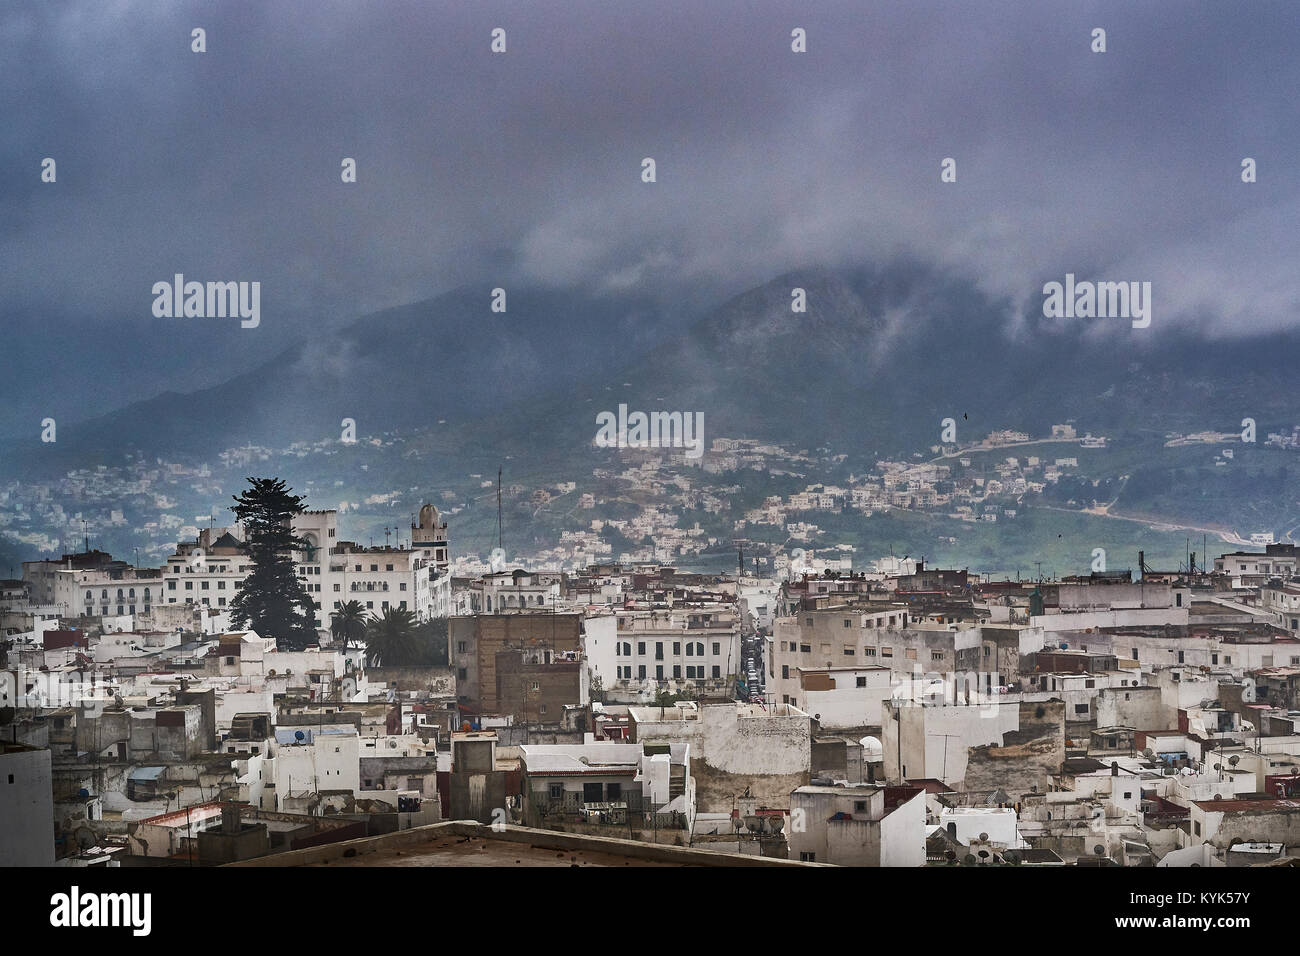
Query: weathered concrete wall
436, 680
1282, 826
771, 754
1138, 707
1027, 757
474, 796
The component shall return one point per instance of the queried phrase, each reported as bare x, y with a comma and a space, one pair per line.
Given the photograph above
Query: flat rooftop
467, 843
454, 850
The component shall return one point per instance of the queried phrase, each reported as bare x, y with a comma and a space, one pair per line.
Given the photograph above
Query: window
640, 671
677, 648
862, 682
886, 652
848, 622
785, 672
717, 671
557, 791
868, 652
717, 648
849, 651
462, 673
1080, 708
805, 648
936, 655
807, 857
677, 671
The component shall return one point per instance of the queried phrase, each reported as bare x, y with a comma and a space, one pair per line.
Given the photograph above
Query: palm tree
348, 623
390, 639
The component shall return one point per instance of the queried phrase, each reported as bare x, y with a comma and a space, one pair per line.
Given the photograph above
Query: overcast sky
501, 169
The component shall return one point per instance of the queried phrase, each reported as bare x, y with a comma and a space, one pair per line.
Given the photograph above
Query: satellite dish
299, 735
1234, 760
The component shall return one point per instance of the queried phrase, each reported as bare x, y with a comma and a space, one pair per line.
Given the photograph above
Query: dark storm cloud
525, 167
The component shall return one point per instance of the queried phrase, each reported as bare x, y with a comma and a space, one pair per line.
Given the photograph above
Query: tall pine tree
271, 599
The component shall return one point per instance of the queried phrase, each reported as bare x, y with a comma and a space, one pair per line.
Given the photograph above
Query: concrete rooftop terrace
467, 843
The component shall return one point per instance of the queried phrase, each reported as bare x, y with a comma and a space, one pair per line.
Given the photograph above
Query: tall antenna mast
499, 539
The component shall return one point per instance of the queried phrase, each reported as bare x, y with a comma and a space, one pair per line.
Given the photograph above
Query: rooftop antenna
499, 536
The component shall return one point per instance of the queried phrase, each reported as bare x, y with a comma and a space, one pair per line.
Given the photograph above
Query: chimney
1114, 768
230, 825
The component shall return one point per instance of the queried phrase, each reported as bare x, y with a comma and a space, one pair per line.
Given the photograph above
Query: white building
26, 806
688, 645
858, 826
208, 571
